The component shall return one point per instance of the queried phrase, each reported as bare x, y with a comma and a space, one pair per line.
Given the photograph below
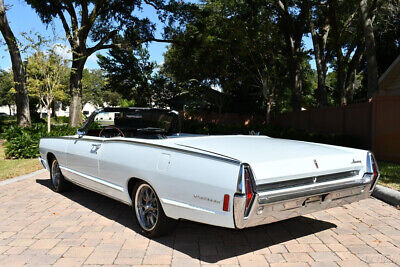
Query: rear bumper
263, 212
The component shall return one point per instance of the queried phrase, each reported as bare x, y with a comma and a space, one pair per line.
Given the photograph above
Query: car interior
147, 124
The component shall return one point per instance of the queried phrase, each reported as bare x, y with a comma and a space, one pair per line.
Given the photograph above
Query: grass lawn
390, 175
15, 167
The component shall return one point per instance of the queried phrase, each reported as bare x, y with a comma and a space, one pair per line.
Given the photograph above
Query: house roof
390, 79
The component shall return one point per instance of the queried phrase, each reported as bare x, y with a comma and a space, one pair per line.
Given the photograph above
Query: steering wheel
113, 128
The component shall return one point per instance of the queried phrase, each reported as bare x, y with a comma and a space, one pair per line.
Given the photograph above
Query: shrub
24, 142
61, 120
6, 121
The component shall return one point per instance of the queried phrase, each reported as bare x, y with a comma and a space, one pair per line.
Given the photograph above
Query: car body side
190, 184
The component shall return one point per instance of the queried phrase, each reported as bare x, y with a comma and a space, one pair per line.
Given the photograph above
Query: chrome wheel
146, 207
55, 174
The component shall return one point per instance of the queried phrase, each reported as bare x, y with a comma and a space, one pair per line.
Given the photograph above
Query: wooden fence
375, 124
386, 128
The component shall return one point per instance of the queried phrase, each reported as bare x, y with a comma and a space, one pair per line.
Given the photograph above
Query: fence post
374, 110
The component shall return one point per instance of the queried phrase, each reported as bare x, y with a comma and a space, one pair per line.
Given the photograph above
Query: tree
387, 34
293, 16
45, 79
22, 100
238, 47
320, 28
95, 90
346, 41
7, 97
129, 73
372, 64
100, 22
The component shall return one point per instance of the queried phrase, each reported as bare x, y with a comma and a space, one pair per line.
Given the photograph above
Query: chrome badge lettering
207, 199
355, 161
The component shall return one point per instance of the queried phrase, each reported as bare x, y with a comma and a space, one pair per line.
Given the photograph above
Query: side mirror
80, 132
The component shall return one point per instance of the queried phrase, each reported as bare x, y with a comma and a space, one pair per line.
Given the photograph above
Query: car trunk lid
275, 160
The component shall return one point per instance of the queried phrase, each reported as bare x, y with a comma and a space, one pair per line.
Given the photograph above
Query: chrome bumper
43, 163
266, 210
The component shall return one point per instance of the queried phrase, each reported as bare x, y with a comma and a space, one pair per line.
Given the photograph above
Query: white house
87, 109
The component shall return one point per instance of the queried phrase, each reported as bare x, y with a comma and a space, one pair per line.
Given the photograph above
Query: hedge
24, 142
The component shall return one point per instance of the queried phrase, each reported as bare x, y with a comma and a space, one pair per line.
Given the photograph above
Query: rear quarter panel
189, 185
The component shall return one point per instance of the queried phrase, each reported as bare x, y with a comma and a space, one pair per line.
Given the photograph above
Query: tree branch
95, 11
101, 43
66, 28
148, 2
74, 19
128, 45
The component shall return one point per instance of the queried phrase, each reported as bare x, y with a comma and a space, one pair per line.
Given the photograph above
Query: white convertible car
139, 157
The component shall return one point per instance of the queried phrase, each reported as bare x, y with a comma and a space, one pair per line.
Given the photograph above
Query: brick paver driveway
39, 227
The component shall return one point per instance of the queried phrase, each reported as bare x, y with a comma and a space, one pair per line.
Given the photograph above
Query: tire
149, 215
59, 184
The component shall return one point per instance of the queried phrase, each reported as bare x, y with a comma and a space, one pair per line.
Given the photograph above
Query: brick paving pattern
39, 227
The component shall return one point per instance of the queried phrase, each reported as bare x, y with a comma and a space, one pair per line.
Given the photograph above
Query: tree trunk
269, 108
322, 95
22, 100
48, 118
53, 109
9, 108
296, 84
268, 91
320, 62
75, 84
372, 65
341, 84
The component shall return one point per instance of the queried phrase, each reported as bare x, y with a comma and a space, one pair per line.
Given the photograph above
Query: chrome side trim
98, 192
214, 153
185, 205
200, 154
94, 179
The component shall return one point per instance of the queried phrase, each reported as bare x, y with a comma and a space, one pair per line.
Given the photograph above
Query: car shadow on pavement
210, 244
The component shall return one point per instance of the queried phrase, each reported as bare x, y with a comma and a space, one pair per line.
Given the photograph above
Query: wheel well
131, 185
50, 158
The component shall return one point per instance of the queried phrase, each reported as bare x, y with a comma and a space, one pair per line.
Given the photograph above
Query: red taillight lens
374, 168
226, 203
249, 191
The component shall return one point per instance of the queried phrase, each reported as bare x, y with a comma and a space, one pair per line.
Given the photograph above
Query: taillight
248, 188
375, 171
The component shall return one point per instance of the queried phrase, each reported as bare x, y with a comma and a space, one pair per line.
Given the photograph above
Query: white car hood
274, 159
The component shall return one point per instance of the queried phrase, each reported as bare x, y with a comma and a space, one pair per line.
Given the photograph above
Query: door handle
96, 145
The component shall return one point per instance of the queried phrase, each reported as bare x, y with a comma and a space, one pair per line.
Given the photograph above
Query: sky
22, 18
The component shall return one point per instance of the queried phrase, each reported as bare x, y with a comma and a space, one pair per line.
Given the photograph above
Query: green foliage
24, 142
239, 47
60, 120
5, 122
129, 73
387, 34
390, 174
196, 127
95, 90
6, 88
124, 103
